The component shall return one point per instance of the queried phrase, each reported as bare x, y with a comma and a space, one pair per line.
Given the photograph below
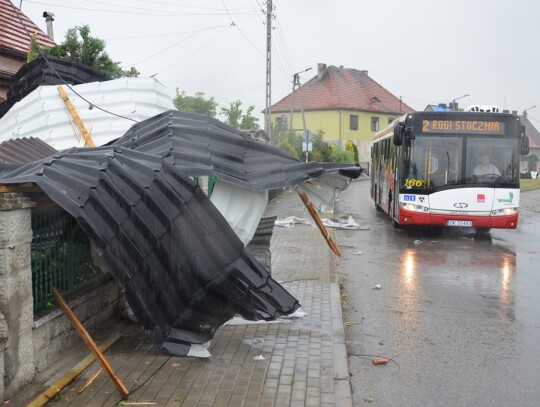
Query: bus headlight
504, 211
414, 208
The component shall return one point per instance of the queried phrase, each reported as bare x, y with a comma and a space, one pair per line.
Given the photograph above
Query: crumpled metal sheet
40, 72
183, 269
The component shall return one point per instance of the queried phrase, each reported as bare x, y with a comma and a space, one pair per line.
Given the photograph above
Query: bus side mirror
399, 131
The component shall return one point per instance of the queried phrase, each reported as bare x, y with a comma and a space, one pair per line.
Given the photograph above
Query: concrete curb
341, 361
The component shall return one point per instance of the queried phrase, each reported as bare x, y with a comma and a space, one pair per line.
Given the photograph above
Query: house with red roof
15, 36
346, 104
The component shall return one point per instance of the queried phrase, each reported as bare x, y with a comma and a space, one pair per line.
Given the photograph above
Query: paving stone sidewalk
305, 361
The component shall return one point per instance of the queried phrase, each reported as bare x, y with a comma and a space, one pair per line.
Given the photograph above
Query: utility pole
268, 115
295, 84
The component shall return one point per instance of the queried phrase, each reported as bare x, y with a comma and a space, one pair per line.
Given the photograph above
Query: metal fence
60, 255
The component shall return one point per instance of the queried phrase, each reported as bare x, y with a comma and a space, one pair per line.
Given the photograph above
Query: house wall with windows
339, 126
346, 104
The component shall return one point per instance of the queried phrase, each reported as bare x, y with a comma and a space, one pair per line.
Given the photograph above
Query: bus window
433, 162
495, 161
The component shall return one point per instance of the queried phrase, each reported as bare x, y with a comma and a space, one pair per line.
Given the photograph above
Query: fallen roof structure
41, 72
43, 114
184, 269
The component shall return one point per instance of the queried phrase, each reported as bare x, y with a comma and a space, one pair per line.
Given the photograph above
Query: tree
195, 104
80, 46
235, 117
532, 160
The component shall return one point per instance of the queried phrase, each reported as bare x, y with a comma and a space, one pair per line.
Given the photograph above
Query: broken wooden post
83, 333
67, 378
313, 212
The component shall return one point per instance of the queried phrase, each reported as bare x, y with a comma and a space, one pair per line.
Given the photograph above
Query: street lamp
525, 111
296, 81
454, 101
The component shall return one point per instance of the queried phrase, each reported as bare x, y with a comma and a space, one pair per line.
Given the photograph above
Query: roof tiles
13, 30
343, 88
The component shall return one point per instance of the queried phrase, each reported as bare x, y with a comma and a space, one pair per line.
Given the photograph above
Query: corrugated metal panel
200, 145
183, 269
24, 150
53, 71
42, 114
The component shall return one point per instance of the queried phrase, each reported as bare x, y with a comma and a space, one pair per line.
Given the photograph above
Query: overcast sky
422, 50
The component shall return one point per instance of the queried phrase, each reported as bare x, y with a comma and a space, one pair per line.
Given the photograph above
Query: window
281, 122
374, 124
390, 120
353, 122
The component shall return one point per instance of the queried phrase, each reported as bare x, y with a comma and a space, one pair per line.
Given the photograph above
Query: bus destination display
463, 126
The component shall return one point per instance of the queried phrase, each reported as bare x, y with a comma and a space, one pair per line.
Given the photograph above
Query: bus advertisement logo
460, 205
409, 198
509, 200
480, 198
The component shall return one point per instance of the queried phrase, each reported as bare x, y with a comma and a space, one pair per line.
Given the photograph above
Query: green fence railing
60, 255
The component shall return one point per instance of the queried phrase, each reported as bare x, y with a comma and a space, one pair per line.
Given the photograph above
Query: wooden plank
69, 376
90, 380
313, 212
27, 187
75, 116
83, 333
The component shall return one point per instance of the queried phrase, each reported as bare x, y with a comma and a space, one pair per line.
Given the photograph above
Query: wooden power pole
268, 112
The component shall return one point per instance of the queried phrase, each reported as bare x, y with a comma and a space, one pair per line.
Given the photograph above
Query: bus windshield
443, 160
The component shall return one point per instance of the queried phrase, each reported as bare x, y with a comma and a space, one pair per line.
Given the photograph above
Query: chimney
321, 70
442, 105
49, 18
365, 72
514, 112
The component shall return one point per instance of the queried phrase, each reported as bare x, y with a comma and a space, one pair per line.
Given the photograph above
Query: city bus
450, 169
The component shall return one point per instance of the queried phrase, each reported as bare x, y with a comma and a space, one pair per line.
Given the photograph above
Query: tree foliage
197, 103
79, 45
235, 117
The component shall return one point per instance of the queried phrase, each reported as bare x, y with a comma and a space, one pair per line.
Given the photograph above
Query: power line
172, 4
193, 53
162, 14
176, 44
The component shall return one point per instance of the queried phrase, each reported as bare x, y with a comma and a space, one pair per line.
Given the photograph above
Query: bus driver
485, 168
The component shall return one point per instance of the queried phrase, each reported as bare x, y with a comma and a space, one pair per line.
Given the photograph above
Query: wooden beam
75, 116
313, 212
90, 380
72, 374
83, 333
27, 187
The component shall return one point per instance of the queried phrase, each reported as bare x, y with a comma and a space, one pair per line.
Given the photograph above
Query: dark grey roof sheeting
24, 150
200, 145
183, 269
39, 72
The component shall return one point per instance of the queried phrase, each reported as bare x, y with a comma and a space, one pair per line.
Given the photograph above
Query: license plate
459, 223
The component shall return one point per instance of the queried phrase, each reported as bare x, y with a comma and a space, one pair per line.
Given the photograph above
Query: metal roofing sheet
24, 150
42, 113
183, 269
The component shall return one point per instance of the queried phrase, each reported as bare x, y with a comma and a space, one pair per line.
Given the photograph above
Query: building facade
345, 104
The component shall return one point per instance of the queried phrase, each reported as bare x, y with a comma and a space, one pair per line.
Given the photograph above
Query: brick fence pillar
16, 302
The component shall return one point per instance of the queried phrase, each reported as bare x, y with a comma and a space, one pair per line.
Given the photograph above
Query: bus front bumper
496, 222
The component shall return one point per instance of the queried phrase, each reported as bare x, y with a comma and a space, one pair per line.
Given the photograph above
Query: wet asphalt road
459, 317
